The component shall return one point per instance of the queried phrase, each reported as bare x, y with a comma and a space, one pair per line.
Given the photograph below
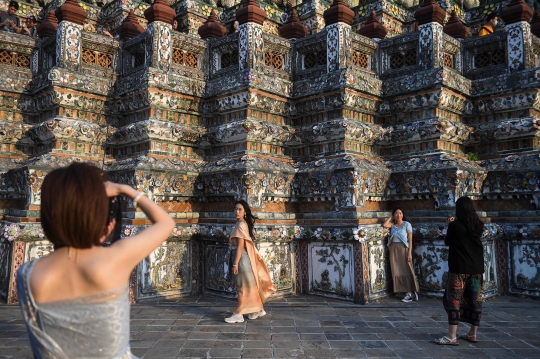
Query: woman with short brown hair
75, 300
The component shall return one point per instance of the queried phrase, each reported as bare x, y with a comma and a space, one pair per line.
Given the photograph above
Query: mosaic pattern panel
166, 271
68, 45
5, 262
216, 269
279, 260
37, 249
430, 260
380, 278
491, 285
331, 270
516, 46
525, 266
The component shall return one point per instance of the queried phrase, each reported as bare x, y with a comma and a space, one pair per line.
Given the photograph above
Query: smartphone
115, 212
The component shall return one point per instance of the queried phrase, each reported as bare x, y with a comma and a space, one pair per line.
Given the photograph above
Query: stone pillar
430, 43
250, 40
338, 20
159, 30
71, 18
455, 28
520, 55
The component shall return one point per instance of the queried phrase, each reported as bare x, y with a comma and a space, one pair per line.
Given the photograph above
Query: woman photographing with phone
463, 294
75, 300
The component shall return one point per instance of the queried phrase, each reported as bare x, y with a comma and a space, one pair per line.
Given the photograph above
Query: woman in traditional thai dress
251, 276
400, 253
75, 301
462, 298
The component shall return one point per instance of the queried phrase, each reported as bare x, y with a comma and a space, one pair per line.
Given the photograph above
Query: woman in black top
463, 295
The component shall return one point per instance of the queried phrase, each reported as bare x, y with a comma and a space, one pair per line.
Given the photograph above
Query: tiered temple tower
323, 116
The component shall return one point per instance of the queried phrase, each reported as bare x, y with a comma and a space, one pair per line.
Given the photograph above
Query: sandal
469, 338
446, 341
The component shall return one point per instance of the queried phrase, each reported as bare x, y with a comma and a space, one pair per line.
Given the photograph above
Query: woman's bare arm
131, 251
388, 223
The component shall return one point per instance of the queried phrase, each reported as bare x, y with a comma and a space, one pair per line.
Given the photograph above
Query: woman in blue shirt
400, 252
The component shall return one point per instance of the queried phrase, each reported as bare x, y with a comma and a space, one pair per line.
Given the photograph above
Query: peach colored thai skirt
249, 299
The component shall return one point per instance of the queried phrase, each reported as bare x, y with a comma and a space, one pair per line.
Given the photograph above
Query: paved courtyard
310, 327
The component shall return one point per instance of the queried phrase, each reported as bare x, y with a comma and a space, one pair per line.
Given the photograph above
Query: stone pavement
310, 327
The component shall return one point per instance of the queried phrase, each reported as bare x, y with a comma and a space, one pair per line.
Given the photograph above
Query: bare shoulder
60, 276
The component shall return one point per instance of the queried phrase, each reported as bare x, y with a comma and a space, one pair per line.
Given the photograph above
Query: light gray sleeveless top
93, 326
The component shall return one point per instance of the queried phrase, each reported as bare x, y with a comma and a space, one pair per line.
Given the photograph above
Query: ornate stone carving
71, 11
160, 11
338, 12
48, 27
535, 23
516, 11
455, 28
293, 28
373, 28
430, 11
130, 27
250, 12
212, 28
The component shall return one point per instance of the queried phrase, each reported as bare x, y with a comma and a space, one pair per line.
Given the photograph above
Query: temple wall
323, 135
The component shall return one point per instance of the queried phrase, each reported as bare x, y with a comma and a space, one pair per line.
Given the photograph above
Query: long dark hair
248, 217
398, 209
467, 216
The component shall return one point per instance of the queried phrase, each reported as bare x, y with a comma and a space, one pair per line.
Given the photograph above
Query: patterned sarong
463, 298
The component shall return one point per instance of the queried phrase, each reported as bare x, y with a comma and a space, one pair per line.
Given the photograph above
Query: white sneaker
408, 298
235, 318
256, 315
415, 296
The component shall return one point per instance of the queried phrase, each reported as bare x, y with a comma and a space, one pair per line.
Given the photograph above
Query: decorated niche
217, 278
380, 276
166, 271
37, 249
278, 258
5, 261
431, 266
525, 262
331, 269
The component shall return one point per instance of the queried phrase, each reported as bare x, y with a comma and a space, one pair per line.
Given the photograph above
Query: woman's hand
113, 189
235, 270
409, 257
387, 223
451, 219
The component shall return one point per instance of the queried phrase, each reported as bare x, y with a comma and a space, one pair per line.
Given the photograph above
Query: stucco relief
331, 269
166, 271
